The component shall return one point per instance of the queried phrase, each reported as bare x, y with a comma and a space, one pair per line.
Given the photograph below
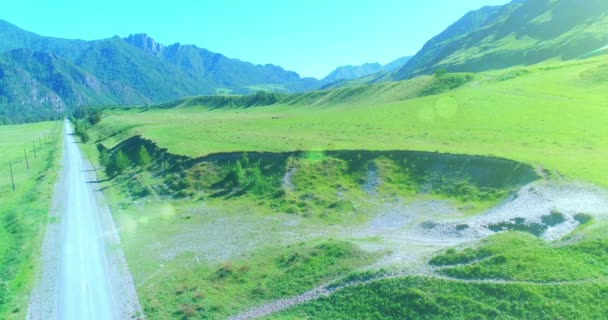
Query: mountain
13, 37
38, 85
56, 73
353, 72
520, 32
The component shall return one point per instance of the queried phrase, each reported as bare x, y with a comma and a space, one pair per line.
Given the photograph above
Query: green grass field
423, 298
551, 116
23, 214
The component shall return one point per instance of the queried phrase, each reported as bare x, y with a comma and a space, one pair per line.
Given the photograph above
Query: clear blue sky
311, 37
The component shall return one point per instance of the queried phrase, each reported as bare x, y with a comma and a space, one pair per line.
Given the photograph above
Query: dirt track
85, 275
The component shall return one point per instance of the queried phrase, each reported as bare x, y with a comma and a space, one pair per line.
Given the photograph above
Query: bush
446, 82
84, 137
104, 157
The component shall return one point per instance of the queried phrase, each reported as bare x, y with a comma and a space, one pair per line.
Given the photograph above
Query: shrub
446, 82
239, 174
84, 137
143, 157
104, 157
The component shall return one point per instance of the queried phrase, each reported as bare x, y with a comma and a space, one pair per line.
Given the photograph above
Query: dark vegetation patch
443, 82
320, 182
553, 219
535, 228
583, 218
519, 224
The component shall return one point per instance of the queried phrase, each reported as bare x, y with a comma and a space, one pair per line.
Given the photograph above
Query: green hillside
518, 33
540, 115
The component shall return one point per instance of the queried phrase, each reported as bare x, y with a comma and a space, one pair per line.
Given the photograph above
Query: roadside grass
428, 298
550, 115
23, 214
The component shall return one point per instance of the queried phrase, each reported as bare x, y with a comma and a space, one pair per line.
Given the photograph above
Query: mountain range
353, 72
60, 73
52, 74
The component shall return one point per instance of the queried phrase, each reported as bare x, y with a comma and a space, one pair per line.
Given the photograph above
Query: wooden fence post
34, 146
10, 164
27, 163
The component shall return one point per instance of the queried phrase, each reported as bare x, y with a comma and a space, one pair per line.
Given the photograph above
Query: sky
311, 37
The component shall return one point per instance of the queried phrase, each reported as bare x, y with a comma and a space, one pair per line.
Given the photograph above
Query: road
84, 284
81, 278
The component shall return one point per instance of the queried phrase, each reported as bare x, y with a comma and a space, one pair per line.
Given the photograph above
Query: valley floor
212, 232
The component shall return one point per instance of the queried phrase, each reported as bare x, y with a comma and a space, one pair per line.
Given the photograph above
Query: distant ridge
352, 72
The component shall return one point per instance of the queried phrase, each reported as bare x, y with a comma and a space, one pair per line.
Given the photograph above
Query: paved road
84, 282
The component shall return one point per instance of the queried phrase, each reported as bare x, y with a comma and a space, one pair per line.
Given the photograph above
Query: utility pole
12, 179
27, 163
34, 146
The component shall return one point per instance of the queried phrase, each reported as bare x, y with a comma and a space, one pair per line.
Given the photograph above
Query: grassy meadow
23, 214
551, 115
206, 240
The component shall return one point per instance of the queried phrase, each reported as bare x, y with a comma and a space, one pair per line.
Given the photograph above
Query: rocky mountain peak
146, 43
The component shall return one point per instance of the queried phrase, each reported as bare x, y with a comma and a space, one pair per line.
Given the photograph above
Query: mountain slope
43, 79
13, 37
215, 70
521, 32
120, 64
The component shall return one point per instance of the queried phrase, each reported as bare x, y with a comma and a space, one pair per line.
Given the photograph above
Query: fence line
48, 138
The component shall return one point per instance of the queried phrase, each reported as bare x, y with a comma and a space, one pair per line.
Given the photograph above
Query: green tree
143, 157
80, 130
239, 174
245, 160
104, 157
260, 185
95, 117
121, 162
